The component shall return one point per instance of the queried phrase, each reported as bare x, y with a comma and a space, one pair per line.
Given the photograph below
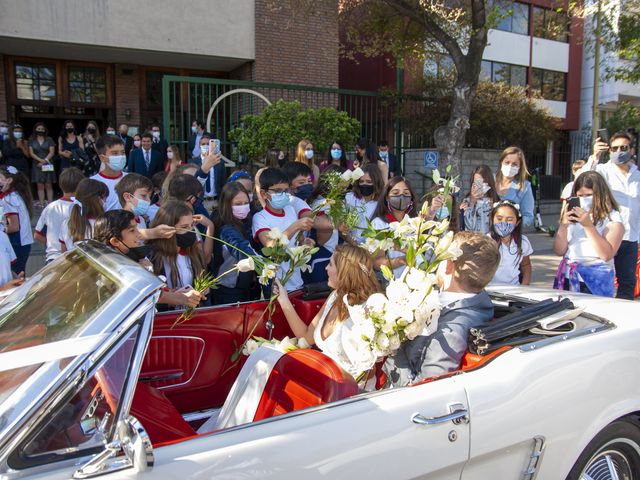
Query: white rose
382, 342
412, 330
250, 346
274, 234
394, 342
416, 279
246, 265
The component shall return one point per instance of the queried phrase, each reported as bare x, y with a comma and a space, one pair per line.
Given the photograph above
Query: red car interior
192, 367
301, 379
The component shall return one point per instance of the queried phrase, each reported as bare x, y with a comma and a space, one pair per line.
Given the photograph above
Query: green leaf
235, 355
411, 255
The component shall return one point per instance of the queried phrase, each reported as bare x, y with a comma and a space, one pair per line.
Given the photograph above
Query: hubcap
609, 464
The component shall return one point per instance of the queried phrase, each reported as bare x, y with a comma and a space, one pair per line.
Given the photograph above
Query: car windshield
55, 304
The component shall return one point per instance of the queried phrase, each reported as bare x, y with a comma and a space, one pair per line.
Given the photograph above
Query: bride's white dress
343, 346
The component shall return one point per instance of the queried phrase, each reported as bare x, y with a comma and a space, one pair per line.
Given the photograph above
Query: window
549, 84
87, 85
35, 82
154, 87
438, 65
550, 24
503, 72
513, 17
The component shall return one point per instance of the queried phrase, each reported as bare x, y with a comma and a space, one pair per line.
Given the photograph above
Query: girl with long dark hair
88, 204
515, 248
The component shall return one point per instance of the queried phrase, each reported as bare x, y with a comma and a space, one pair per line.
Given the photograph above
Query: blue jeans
625, 262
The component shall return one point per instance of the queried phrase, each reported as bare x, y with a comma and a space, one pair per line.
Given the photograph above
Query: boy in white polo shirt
279, 212
57, 213
110, 148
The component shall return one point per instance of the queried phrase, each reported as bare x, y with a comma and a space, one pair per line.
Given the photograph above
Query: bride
352, 278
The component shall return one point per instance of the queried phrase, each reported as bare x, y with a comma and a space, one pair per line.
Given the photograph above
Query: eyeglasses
622, 148
278, 190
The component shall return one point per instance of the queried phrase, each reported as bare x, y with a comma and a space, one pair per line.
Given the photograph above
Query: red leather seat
303, 378
160, 418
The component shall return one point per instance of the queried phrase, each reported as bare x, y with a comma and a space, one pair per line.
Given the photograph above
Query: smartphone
603, 134
573, 202
214, 146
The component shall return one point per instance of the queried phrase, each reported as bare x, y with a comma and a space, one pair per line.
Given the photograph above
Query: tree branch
432, 28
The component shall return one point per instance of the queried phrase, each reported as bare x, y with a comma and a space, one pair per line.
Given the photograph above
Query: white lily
246, 265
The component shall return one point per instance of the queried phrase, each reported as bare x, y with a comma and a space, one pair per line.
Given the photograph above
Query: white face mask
204, 149
170, 155
137, 143
155, 135
586, 203
509, 171
111, 132
308, 154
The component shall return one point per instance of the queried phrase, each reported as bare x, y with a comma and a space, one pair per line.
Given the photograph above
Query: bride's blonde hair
356, 277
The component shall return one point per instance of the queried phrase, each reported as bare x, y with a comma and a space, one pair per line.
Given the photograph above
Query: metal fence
188, 98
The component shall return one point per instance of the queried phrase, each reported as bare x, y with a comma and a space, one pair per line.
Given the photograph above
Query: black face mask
400, 202
69, 130
137, 253
40, 133
186, 239
366, 190
91, 130
304, 191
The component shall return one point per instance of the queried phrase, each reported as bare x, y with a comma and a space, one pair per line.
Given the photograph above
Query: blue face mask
442, 213
336, 153
383, 155
117, 162
304, 191
141, 208
504, 229
280, 200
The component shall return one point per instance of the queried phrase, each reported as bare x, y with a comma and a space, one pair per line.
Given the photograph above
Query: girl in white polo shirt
17, 203
182, 257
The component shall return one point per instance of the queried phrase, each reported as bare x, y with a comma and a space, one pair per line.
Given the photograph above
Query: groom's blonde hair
356, 277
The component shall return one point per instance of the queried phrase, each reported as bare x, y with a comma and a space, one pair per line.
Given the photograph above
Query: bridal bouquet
333, 203
410, 306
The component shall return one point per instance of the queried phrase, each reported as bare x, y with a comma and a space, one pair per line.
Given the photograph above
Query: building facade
104, 60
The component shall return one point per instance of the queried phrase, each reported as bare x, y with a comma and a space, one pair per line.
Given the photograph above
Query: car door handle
457, 417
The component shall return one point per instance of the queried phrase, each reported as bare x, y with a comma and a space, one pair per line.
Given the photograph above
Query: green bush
283, 124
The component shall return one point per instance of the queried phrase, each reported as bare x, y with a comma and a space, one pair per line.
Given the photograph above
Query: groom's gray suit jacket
441, 352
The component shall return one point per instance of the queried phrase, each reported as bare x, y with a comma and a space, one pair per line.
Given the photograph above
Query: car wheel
613, 454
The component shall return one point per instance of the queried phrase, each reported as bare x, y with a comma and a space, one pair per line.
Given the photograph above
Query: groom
465, 304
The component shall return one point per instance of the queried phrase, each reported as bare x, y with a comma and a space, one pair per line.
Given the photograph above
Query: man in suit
389, 158
212, 173
465, 305
123, 133
158, 144
146, 161
197, 131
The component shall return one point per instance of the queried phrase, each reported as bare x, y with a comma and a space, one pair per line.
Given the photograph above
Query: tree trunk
450, 138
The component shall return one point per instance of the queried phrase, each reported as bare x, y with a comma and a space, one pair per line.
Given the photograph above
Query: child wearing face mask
515, 248
17, 204
396, 202
282, 214
88, 204
182, 257
479, 201
305, 155
588, 238
134, 195
233, 225
363, 198
110, 150
335, 156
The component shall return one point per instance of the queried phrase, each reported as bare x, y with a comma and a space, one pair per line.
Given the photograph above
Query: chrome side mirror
130, 449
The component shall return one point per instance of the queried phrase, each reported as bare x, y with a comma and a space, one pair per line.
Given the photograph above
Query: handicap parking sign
431, 159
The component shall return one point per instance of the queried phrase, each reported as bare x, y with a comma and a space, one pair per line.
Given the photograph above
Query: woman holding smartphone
589, 236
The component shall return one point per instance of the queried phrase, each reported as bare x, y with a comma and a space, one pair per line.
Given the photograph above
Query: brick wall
127, 94
4, 114
297, 47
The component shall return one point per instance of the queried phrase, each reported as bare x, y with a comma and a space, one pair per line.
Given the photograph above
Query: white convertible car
94, 383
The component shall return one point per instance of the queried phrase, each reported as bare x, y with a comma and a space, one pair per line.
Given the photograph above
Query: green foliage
626, 116
283, 124
629, 47
501, 115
